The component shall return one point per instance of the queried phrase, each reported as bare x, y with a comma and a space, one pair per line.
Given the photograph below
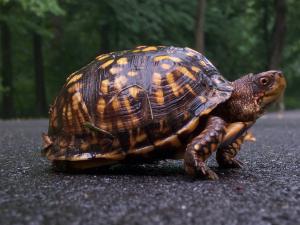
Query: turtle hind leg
202, 146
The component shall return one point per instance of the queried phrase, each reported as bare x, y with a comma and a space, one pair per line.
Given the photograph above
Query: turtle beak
276, 91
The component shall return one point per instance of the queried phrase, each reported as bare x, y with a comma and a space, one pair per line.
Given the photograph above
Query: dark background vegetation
42, 41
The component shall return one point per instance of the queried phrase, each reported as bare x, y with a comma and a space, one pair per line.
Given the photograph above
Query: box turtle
154, 103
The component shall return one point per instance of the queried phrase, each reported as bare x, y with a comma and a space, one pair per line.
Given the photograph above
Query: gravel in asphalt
266, 191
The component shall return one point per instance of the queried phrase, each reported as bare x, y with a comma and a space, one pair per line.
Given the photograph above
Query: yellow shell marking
106, 64
119, 124
84, 108
162, 57
172, 83
171, 140
190, 89
133, 91
120, 82
165, 66
101, 105
101, 57
75, 87
195, 69
76, 99
127, 104
156, 78
186, 72
202, 99
115, 70
122, 61
134, 120
202, 63
104, 86
132, 73
69, 114
151, 48
74, 78
141, 136
116, 104
190, 54
159, 94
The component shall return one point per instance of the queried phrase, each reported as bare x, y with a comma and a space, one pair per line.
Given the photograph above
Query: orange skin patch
106, 64
120, 82
156, 78
122, 61
104, 86
186, 72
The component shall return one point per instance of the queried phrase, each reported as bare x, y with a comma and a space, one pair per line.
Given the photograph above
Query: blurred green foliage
74, 32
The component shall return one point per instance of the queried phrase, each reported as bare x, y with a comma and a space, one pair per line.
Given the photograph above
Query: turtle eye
264, 81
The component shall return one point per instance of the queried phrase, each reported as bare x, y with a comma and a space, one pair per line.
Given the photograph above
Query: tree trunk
41, 104
278, 34
105, 41
199, 29
7, 76
264, 5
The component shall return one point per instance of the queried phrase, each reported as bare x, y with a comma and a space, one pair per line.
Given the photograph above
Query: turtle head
253, 94
268, 87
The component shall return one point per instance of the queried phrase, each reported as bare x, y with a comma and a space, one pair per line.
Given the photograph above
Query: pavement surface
266, 191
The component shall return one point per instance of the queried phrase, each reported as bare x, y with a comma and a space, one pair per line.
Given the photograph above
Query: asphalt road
266, 191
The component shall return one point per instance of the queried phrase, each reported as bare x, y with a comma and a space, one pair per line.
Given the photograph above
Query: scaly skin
202, 147
227, 126
226, 156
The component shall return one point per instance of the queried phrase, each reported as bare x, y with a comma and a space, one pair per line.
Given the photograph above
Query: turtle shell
132, 102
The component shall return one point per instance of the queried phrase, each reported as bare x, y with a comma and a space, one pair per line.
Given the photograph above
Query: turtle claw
232, 163
205, 172
211, 175
200, 169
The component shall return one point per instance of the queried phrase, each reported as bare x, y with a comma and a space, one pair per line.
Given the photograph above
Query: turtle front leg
236, 134
202, 146
225, 156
